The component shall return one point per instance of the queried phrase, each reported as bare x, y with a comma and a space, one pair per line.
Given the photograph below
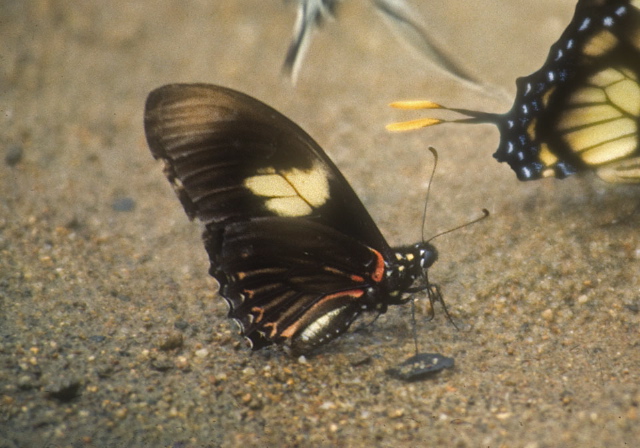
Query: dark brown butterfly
581, 110
296, 254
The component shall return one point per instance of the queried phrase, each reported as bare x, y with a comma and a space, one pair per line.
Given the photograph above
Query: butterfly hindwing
281, 274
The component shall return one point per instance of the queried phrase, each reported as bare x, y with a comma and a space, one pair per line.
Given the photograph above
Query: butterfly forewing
295, 252
237, 158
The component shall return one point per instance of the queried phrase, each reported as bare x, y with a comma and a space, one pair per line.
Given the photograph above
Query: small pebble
121, 413
162, 364
421, 366
64, 389
25, 382
123, 205
202, 353
182, 363
181, 324
13, 155
172, 341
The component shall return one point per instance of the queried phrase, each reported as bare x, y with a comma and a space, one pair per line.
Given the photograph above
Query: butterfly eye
427, 254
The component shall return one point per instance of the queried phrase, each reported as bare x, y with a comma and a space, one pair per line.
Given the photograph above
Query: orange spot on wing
355, 278
260, 313
355, 293
274, 329
378, 272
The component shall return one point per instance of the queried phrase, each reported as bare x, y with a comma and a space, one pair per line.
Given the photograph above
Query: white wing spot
509, 147
585, 24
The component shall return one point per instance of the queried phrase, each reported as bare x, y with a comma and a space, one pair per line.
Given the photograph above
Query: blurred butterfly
581, 110
296, 254
403, 19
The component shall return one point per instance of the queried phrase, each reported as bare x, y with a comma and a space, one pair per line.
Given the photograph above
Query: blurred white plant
403, 19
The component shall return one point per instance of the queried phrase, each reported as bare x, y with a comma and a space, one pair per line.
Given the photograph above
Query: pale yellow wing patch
608, 151
588, 95
602, 125
626, 95
600, 43
604, 142
291, 193
587, 115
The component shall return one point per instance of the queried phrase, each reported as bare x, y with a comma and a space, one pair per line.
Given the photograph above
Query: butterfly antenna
485, 214
426, 201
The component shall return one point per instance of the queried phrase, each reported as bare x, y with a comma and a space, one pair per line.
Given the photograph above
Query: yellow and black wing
581, 110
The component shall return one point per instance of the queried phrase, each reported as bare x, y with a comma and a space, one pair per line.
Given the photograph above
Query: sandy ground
111, 333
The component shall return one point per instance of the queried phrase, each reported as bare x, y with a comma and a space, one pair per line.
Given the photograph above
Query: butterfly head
410, 264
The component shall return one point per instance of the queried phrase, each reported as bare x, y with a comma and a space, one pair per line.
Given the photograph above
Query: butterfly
296, 254
581, 110
403, 19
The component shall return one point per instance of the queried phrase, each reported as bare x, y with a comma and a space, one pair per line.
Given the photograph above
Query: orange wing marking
378, 272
